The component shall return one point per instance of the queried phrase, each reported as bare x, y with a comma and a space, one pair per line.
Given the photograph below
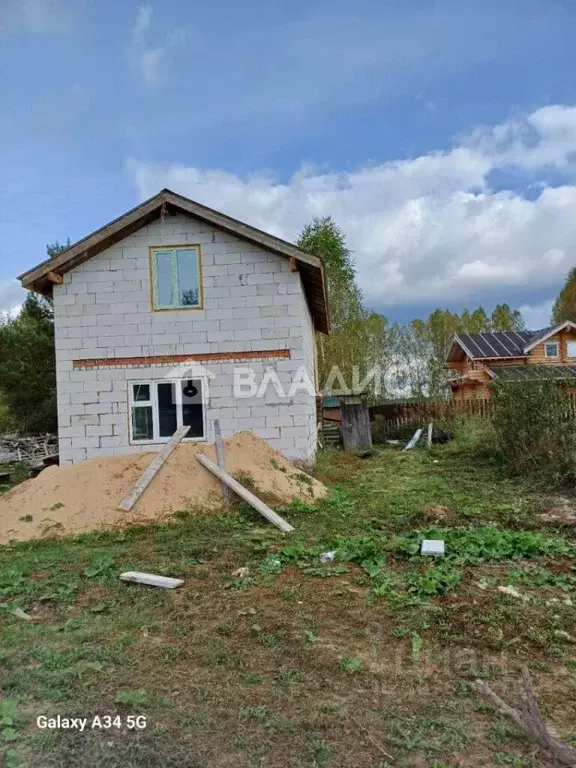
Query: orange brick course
208, 357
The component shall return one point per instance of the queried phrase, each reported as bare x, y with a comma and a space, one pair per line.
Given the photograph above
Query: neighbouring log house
480, 358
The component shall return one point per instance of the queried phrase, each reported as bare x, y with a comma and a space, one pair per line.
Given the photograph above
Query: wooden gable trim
310, 266
458, 341
91, 245
552, 332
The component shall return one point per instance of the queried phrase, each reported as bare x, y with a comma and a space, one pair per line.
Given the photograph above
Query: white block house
175, 314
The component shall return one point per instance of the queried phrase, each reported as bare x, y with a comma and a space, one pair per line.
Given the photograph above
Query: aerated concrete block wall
309, 357
253, 302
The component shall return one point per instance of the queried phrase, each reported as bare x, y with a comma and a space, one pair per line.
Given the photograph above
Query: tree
422, 345
53, 249
504, 318
369, 343
410, 373
359, 339
565, 305
415, 353
28, 367
28, 363
474, 322
439, 331
323, 238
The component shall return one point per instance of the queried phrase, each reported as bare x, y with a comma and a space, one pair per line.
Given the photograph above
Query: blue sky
440, 135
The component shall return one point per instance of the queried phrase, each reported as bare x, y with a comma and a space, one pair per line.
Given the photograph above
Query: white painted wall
252, 302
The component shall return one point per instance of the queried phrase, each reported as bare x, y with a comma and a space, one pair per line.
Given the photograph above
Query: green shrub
534, 434
474, 433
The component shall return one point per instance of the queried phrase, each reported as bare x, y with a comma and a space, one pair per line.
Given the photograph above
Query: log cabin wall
475, 388
538, 354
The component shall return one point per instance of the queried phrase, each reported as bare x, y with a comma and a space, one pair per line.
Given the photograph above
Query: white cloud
11, 296
428, 230
546, 137
148, 59
538, 315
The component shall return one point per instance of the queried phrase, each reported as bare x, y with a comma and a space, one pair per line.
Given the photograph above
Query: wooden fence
392, 417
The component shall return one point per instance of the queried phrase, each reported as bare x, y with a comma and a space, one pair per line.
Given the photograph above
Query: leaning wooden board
413, 441
226, 493
245, 494
150, 473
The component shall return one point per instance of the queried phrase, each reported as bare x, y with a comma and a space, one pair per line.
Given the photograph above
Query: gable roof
42, 277
503, 344
545, 333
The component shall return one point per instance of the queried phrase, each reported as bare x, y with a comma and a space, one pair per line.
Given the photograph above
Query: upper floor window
176, 277
551, 349
571, 349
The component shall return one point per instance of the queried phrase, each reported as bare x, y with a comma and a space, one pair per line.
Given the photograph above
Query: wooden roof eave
311, 267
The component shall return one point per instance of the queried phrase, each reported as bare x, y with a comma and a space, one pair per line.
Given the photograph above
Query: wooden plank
414, 440
151, 579
52, 277
429, 434
152, 470
245, 494
356, 429
226, 493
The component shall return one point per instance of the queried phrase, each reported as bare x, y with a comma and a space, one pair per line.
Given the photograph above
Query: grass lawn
300, 663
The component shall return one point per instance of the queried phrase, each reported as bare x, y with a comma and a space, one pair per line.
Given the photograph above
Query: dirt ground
85, 497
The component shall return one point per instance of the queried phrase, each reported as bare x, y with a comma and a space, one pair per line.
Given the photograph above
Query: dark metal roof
503, 344
533, 372
495, 345
541, 334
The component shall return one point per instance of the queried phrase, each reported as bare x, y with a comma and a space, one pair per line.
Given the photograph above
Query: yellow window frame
154, 250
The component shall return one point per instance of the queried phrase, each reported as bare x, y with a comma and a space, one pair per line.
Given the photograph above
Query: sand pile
85, 497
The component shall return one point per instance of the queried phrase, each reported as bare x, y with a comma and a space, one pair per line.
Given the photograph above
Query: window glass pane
187, 265
164, 283
552, 349
142, 424
192, 408
167, 409
141, 393
572, 349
